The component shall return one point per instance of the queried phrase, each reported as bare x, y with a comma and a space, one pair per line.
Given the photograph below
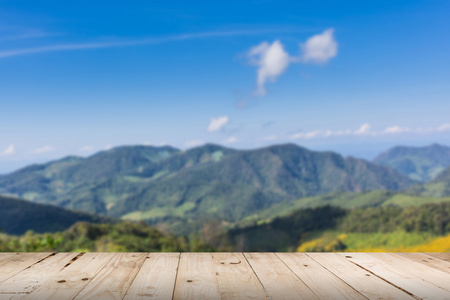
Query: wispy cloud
87, 148
45, 149
396, 129
365, 130
305, 135
217, 123
194, 143
123, 43
272, 60
444, 127
25, 34
8, 151
231, 140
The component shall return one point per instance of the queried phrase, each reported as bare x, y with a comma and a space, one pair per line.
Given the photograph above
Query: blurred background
226, 126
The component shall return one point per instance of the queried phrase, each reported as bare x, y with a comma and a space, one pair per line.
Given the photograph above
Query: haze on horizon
352, 77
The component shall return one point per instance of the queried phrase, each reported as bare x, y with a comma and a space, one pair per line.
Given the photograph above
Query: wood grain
370, 286
443, 256
428, 260
19, 262
322, 282
398, 276
113, 281
236, 278
278, 280
196, 278
132, 276
7, 255
31, 278
67, 283
156, 278
426, 273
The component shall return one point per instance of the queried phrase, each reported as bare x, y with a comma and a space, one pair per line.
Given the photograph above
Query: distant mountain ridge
17, 216
418, 163
156, 183
439, 187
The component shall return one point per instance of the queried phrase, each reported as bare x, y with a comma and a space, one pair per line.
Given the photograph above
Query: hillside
330, 228
161, 183
18, 216
245, 182
437, 188
378, 198
72, 182
418, 163
105, 237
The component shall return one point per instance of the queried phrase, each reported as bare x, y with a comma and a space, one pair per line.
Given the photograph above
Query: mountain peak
418, 163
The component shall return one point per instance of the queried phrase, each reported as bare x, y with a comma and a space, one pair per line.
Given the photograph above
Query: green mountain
159, 184
418, 163
438, 187
18, 216
244, 182
73, 182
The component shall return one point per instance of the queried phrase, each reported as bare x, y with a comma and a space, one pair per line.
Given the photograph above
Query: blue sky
356, 77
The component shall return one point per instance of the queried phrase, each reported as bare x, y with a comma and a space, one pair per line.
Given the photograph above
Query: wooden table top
224, 276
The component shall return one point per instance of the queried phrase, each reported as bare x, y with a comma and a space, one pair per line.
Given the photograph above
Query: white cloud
87, 148
8, 151
45, 149
272, 61
305, 135
396, 129
364, 129
194, 143
231, 140
125, 43
217, 123
444, 127
320, 48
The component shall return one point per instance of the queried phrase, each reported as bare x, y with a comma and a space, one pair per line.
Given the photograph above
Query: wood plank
17, 263
444, 256
370, 286
278, 280
426, 273
428, 260
113, 281
7, 255
196, 278
72, 279
398, 276
156, 278
322, 282
236, 278
31, 278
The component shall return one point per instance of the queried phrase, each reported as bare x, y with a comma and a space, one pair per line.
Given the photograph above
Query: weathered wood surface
224, 276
